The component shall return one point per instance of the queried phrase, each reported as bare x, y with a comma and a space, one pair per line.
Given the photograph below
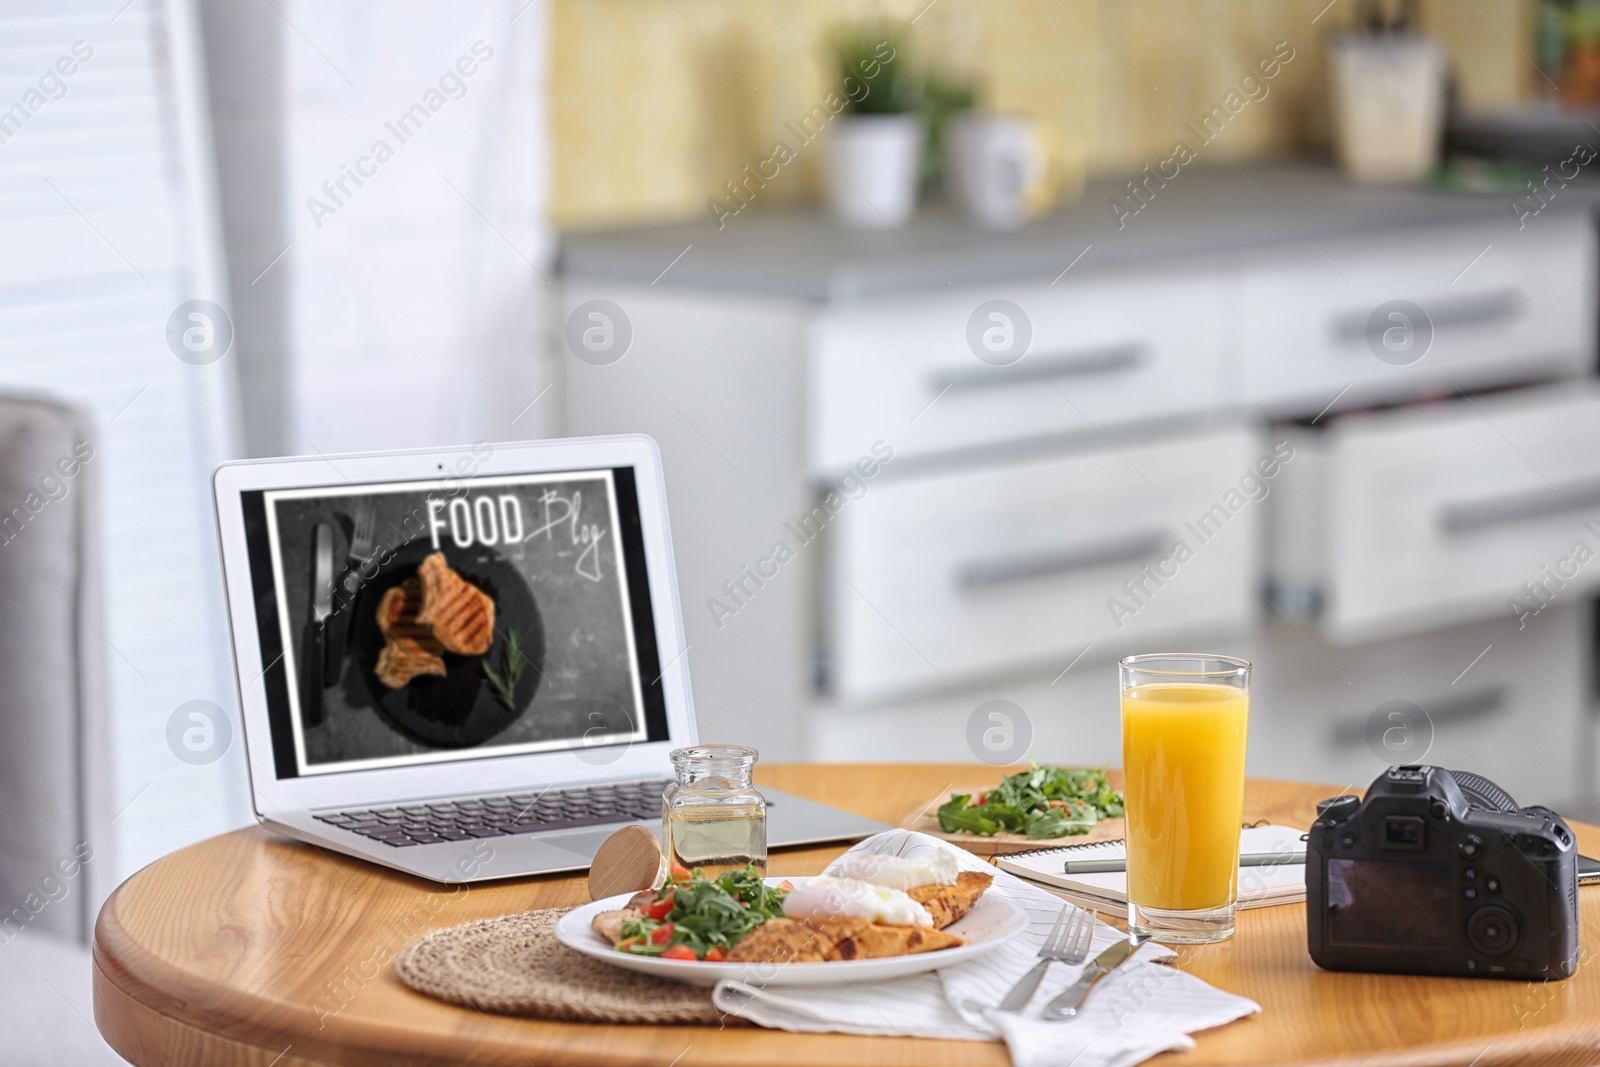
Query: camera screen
1384, 904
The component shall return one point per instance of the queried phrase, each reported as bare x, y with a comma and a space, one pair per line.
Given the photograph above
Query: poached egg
898, 872
850, 898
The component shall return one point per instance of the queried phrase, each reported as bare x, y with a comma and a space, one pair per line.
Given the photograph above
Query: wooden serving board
924, 819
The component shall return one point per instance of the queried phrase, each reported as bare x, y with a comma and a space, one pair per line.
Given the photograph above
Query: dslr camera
1440, 872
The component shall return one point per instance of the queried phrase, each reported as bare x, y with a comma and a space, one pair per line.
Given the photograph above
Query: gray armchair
55, 843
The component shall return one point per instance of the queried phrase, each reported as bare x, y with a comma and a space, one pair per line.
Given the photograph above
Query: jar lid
715, 754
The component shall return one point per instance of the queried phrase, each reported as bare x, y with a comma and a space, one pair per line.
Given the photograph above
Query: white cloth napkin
1139, 1009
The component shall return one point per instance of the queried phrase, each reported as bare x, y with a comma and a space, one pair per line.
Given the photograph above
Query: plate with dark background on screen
460, 709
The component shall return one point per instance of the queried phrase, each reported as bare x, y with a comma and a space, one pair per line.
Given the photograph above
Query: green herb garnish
1041, 802
708, 915
504, 681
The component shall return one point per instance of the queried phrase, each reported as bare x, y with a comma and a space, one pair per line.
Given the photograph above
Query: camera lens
1492, 930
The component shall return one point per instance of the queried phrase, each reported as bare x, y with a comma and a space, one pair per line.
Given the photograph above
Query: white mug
1388, 105
997, 168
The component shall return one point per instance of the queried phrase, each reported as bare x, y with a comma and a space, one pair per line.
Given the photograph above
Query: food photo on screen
422, 619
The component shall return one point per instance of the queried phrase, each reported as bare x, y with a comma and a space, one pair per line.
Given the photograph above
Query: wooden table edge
140, 1033
140, 998
134, 1026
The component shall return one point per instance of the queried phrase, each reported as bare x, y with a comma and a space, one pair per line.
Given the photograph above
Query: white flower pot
874, 162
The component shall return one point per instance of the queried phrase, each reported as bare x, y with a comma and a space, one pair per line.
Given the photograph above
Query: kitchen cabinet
905, 370
1463, 508
958, 526
966, 574
1494, 307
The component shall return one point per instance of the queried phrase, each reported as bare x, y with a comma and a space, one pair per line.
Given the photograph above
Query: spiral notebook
1259, 887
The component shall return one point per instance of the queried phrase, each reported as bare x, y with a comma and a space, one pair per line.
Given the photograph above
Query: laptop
468, 663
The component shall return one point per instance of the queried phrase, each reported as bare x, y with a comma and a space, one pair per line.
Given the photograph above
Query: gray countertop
798, 252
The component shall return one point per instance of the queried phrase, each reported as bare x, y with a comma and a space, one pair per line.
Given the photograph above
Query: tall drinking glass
1184, 718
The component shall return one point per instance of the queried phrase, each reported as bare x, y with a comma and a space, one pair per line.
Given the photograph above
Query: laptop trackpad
541, 853
524, 854
581, 845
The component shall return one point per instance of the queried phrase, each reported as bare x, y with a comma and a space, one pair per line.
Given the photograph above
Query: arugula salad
1041, 802
697, 918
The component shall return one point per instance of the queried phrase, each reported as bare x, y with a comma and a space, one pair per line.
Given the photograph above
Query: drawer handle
1452, 710
1474, 310
1471, 516
978, 574
1079, 364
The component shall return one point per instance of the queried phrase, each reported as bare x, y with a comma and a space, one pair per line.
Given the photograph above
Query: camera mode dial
1338, 809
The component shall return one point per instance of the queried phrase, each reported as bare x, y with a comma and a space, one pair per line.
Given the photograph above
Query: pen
1116, 866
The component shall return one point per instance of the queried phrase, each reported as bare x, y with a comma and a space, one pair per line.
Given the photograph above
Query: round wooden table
226, 953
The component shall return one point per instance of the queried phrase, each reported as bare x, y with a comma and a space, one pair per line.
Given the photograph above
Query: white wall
401, 309
106, 227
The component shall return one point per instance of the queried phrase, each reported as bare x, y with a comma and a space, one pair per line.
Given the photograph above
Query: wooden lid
628, 861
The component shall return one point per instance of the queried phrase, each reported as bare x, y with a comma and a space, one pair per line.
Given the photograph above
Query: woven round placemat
515, 966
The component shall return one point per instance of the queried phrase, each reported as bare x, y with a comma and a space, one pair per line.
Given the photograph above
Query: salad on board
1039, 803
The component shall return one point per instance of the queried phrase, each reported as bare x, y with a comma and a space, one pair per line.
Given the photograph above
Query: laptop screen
463, 618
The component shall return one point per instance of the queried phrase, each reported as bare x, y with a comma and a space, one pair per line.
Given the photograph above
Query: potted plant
874, 155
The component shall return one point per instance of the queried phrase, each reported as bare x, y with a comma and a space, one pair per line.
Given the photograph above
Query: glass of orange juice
1184, 718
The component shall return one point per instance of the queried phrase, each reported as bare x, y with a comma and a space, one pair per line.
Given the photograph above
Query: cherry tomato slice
714, 955
661, 934
660, 909
679, 952
680, 874
786, 885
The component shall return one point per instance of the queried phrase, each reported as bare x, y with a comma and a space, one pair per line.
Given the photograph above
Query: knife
314, 664
1066, 1005
350, 579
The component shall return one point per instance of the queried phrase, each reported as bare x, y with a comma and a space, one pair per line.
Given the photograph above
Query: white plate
991, 923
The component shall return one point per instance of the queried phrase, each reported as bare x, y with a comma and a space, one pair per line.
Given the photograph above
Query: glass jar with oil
713, 816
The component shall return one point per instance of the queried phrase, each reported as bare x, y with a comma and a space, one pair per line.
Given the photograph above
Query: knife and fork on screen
1068, 942
327, 630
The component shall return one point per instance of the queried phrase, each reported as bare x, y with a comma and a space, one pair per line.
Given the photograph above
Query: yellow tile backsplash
657, 104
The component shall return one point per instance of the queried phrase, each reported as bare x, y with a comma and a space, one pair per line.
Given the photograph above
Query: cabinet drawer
1102, 350
1501, 702
1524, 309
966, 574
1443, 513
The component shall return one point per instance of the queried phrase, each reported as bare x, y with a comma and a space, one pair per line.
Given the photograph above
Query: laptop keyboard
515, 813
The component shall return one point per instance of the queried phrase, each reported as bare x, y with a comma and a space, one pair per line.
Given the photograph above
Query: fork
361, 542
360, 548
1068, 942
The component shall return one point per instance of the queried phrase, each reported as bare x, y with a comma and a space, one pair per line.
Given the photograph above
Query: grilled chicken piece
608, 924
819, 940
948, 903
460, 614
397, 612
782, 941
857, 939
410, 648
402, 660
